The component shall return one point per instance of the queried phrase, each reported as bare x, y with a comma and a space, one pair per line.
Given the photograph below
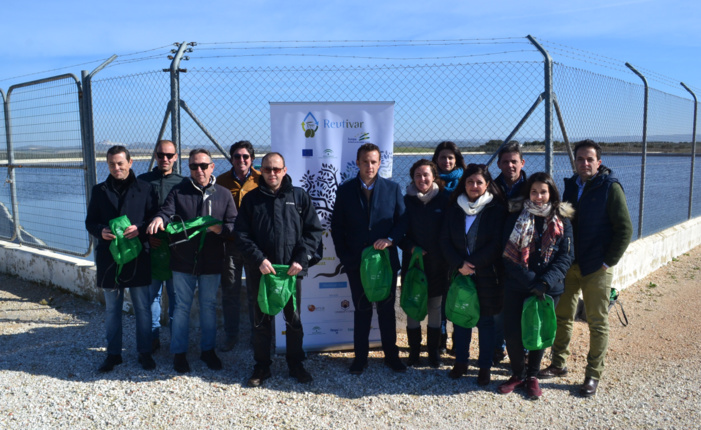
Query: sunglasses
201, 166
269, 170
163, 155
244, 156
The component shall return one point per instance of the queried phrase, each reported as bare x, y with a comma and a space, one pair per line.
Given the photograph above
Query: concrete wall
77, 275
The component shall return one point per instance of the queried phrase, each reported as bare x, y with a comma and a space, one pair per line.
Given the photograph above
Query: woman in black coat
538, 252
471, 241
425, 204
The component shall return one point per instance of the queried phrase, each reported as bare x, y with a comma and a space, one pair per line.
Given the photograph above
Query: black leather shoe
458, 370
259, 375
211, 360
146, 361
358, 366
299, 373
395, 364
588, 389
109, 363
552, 372
484, 377
180, 363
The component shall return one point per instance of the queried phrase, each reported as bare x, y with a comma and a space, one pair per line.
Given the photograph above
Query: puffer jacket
282, 227
485, 255
602, 225
187, 201
539, 274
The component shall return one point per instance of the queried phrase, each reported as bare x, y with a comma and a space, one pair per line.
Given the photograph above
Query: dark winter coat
185, 202
161, 184
601, 224
282, 227
485, 255
139, 203
549, 277
424, 223
355, 224
515, 190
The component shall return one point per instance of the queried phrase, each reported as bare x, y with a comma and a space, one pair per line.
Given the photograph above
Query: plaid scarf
521, 243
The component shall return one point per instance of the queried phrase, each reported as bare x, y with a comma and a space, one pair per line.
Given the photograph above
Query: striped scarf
521, 243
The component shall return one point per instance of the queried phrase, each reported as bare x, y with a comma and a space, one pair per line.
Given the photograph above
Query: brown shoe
484, 377
458, 370
552, 372
588, 389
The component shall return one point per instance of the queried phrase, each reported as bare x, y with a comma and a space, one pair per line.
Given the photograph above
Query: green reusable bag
538, 323
160, 259
192, 228
414, 298
123, 250
462, 305
275, 290
376, 273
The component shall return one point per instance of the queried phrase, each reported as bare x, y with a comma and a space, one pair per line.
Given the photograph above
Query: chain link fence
476, 105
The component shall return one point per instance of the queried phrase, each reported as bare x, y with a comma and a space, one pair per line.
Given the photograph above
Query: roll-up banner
319, 141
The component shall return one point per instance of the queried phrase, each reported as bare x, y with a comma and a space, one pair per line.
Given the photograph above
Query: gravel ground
52, 342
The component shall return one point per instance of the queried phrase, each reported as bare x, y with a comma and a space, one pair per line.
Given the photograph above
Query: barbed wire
360, 57
345, 46
475, 41
83, 64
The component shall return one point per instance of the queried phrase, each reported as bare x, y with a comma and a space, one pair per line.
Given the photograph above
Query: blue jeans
114, 299
463, 336
184, 284
155, 290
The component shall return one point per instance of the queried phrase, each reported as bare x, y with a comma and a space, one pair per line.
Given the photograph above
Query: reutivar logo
310, 125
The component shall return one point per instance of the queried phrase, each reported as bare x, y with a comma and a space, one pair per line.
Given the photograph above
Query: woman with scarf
536, 257
425, 204
472, 245
450, 164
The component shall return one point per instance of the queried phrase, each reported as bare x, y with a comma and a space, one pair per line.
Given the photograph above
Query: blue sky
659, 36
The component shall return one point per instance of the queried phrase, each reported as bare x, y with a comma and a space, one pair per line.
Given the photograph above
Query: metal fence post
644, 159
10, 168
693, 150
548, 95
175, 101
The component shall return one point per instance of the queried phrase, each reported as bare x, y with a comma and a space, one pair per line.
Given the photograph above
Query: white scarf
542, 211
423, 198
473, 208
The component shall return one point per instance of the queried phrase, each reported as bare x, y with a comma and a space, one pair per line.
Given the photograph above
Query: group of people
514, 236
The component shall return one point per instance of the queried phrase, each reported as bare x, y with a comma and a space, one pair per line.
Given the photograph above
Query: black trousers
513, 307
362, 319
262, 328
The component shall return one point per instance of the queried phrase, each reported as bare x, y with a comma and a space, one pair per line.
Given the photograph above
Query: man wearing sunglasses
241, 179
197, 263
162, 179
277, 225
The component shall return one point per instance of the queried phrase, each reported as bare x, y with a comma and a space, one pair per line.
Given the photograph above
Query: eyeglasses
244, 156
269, 170
201, 166
163, 155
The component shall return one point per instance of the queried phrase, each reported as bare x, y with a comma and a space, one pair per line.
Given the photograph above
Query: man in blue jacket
369, 211
602, 231
162, 179
197, 263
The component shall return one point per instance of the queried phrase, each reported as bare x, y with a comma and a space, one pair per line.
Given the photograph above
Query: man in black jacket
122, 194
277, 225
162, 179
369, 211
197, 262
